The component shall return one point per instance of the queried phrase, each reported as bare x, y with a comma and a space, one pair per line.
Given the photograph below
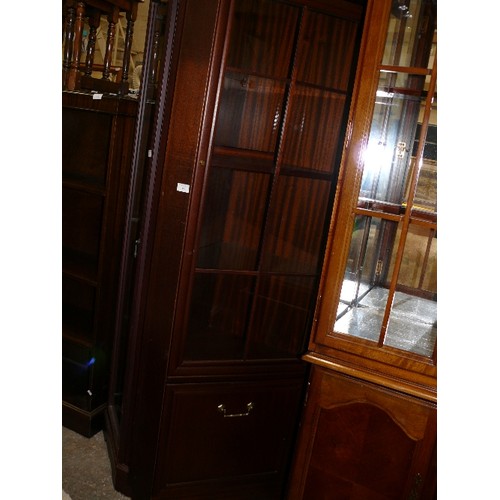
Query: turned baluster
68, 49
131, 17
110, 40
94, 23
77, 45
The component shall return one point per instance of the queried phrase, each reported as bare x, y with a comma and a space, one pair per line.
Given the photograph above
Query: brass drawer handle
222, 409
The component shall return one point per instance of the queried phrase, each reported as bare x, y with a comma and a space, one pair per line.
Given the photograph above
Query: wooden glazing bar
230, 69
378, 215
296, 32
242, 159
413, 70
418, 221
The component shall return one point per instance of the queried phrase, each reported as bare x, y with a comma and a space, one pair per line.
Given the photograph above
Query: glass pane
328, 46
312, 135
411, 33
413, 319
233, 217
281, 316
412, 324
418, 270
262, 37
387, 159
425, 198
296, 227
362, 299
250, 112
218, 316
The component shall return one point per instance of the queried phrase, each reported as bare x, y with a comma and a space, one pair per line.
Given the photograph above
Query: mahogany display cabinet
244, 146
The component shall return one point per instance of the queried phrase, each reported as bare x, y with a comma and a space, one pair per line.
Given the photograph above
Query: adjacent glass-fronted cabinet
374, 341
379, 294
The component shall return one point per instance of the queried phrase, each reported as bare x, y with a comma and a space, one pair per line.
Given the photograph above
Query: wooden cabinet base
359, 440
86, 423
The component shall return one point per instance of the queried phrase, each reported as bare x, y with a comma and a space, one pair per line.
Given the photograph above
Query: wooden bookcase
96, 152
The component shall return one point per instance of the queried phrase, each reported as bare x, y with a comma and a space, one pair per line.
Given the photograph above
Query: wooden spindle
110, 41
77, 45
94, 22
131, 17
68, 41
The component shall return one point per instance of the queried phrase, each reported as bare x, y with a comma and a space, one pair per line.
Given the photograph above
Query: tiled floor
86, 471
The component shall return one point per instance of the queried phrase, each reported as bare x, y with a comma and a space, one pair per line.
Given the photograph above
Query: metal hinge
378, 269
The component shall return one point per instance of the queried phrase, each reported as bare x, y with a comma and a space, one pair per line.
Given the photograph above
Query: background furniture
96, 154
79, 75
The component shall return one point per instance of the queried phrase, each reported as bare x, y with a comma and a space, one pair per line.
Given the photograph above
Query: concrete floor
86, 471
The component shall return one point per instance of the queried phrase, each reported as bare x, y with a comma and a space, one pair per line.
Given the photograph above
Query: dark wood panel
78, 308
82, 215
239, 430
85, 146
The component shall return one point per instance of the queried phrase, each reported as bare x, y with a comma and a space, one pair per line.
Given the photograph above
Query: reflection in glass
296, 225
413, 320
412, 323
312, 137
262, 37
218, 316
250, 112
408, 41
233, 219
282, 312
328, 44
418, 269
360, 310
387, 159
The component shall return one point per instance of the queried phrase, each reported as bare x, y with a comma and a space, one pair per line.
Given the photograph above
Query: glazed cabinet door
362, 441
258, 234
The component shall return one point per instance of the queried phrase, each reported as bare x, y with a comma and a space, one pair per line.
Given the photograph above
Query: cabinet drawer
230, 430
